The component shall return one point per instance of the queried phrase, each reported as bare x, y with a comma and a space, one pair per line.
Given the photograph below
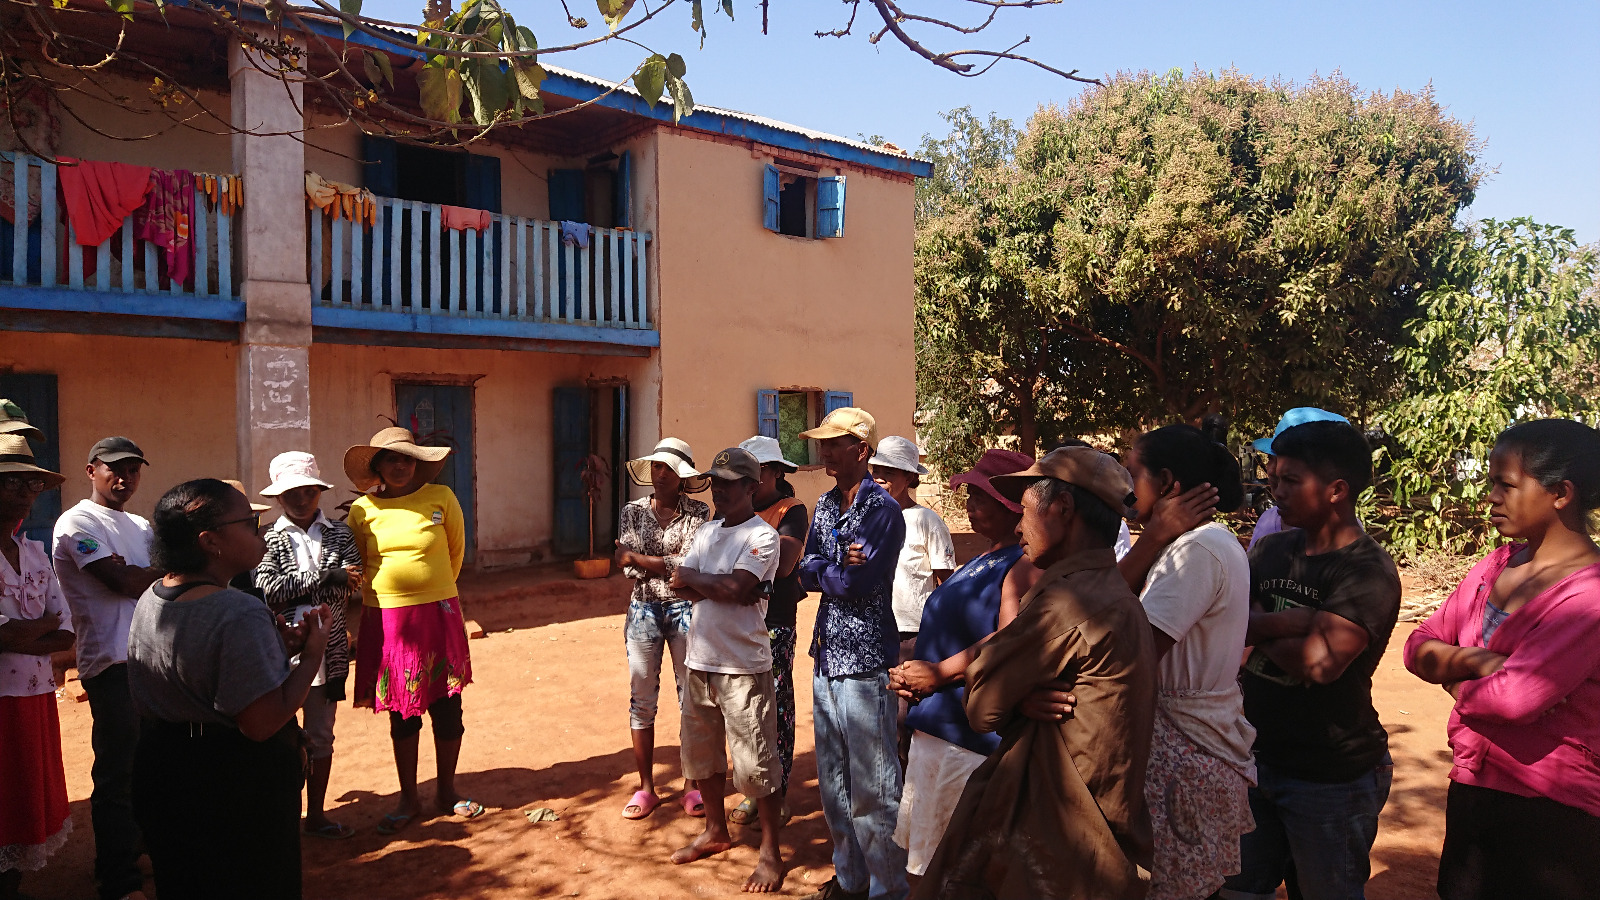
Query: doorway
591, 419
440, 415
36, 394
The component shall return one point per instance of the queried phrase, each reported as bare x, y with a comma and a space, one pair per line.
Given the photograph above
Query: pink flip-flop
646, 801
694, 804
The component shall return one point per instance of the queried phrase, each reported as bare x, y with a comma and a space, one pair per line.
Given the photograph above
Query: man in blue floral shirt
850, 558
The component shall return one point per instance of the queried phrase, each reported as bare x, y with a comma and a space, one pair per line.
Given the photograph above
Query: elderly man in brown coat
1058, 810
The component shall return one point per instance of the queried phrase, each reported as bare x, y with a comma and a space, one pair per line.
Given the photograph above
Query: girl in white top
1197, 597
928, 556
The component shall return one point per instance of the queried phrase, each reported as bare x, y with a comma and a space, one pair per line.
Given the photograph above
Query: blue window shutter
769, 196
767, 413
380, 164
624, 189
836, 399
567, 195
483, 182
830, 207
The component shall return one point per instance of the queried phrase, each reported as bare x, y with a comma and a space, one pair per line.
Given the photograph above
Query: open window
598, 194
801, 202
784, 413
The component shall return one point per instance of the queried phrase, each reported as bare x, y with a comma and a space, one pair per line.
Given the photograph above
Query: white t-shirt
84, 534
731, 638
29, 594
1198, 593
1124, 542
927, 548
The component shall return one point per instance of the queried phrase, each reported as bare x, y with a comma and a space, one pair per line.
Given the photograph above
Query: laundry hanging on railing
224, 193
99, 195
165, 220
575, 234
460, 218
337, 200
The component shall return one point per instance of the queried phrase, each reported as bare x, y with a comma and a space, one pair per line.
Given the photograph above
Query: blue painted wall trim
566, 86
161, 306
423, 323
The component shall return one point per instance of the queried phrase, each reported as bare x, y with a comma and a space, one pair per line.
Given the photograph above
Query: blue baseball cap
1300, 415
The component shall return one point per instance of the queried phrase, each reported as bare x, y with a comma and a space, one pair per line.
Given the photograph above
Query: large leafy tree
1513, 335
1169, 246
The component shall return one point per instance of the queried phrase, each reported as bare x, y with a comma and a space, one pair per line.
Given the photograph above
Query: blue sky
1526, 75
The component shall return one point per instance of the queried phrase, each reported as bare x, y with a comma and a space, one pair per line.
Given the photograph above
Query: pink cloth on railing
461, 218
165, 220
99, 195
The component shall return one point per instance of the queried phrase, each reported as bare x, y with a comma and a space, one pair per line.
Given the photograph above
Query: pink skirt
409, 656
33, 784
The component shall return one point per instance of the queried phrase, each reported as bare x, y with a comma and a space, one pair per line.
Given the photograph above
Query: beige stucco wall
744, 309
174, 398
206, 147
352, 386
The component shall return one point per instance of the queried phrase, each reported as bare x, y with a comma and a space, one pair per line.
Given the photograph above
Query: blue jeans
858, 775
1326, 830
653, 629
114, 737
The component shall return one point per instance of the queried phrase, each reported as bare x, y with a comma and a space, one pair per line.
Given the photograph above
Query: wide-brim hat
993, 464
1088, 468
294, 469
676, 454
239, 486
767, 451
358, 459
896, 452
14, 421
17, 456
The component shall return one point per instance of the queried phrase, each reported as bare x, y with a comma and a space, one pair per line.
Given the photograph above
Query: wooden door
440, 415
572, 438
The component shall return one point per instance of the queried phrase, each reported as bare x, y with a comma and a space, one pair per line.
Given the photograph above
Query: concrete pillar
274, 376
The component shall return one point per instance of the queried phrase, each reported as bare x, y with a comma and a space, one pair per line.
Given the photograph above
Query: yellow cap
846, 420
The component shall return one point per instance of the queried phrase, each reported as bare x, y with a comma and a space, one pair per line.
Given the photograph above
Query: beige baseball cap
846, 420
1085, 467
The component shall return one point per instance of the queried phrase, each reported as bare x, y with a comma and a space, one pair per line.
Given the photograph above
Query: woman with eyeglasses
217, 776
34, 623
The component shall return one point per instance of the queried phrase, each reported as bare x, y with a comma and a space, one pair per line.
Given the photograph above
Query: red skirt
407, 657
33, 785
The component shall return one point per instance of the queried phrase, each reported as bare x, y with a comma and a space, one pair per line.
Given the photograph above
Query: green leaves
350, 8
650, 78
664, 72
377, 67
614, 11
123, 8
440, 93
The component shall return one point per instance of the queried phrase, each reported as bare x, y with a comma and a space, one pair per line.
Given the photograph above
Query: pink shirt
1532, 728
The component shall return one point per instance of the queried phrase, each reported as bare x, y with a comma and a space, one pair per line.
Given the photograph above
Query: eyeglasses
33, 483
254, 520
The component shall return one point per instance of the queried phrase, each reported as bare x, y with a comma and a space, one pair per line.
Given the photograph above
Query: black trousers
1499, 846
220, 813
113, 737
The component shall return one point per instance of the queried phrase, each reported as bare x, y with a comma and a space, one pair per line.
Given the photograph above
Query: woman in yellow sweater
412, 652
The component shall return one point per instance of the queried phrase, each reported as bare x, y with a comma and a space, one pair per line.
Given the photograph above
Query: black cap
735, 463
115, 449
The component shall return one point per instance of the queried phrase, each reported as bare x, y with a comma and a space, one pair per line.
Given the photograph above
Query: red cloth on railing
99, 195
461, 218
165, 220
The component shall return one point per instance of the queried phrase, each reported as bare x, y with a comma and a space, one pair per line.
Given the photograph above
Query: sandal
333, 831
468, 809
745, 813
694, 804
394, 823
646, 803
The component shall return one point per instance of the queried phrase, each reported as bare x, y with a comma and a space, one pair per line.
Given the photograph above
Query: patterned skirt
1199, 806
409, 656
33, 784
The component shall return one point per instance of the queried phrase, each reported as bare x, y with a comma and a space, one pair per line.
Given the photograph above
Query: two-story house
581, 284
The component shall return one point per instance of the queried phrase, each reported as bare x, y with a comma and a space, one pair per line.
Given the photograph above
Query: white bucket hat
767, 450
896, 452
293, 470
674, 453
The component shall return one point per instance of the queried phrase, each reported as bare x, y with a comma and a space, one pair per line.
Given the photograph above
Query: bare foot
705, 844
768, 876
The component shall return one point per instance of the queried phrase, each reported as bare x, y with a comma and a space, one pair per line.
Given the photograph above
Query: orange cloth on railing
224, 193
461, 218
99, 195
341, 201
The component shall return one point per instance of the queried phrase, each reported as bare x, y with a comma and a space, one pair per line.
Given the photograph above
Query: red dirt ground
547, 726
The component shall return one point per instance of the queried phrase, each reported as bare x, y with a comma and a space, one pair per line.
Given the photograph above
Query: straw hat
676, 454
16, 456
14, 421
294, 469
358, 459
239, 486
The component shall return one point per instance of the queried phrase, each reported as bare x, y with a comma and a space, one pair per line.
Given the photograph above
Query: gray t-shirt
202, 660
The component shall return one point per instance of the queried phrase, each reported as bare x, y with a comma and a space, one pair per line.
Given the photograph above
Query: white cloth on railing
575, 234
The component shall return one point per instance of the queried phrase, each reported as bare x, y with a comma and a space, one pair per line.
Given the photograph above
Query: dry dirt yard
547, 726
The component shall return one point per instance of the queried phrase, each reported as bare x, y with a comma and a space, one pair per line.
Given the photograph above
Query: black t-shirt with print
1321, 732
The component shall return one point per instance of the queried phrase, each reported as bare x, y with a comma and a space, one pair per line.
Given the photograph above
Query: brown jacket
1058, 811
